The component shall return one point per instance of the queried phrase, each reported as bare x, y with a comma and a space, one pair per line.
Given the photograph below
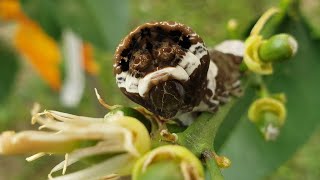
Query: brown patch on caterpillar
228, 78
227, 83
157, 42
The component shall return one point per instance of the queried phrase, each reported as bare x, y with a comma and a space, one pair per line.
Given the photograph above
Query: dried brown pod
166, 67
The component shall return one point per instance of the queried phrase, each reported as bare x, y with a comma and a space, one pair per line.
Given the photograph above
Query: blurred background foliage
34, 72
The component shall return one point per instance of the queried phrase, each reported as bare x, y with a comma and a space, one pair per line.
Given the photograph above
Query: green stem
273, 24
258, 82
213, 169
200, 135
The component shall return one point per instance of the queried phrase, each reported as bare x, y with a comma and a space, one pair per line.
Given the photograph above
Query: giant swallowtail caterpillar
166, 68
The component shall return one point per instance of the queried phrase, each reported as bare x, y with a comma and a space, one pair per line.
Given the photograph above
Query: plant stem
200, 135
213, 169
272, 25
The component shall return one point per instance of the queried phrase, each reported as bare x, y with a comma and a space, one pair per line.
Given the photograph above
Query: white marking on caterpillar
202, 106
193, 36
211, 85
161, 75
127, 81
235, 47
131, 84
186, 118
121, 79
211, 77
189, 62
142, 86
168, 24
199, 50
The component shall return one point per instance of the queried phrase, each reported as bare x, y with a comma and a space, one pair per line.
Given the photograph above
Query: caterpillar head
163, 67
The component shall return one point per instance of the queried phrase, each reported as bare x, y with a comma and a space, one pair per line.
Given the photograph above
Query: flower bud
131, 112
260, 54
168, 162
279, 47
269, 115
252, 58
233, 29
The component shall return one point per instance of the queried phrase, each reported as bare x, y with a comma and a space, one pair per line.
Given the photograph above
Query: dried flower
122, 138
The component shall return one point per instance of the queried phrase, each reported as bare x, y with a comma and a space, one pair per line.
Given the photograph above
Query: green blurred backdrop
104, 23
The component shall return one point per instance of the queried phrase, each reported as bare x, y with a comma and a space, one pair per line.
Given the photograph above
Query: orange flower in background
10, 10
89, 63
40, 50
33, 43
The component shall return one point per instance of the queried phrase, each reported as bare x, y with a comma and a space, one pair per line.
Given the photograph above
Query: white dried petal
97, 171
67, 131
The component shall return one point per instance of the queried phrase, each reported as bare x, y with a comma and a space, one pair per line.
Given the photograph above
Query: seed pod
166, 67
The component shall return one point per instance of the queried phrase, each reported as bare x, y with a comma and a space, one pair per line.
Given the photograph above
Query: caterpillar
167, 68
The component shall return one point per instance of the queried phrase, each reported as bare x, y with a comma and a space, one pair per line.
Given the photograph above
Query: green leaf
232, 118
311, 11
101, 22
8, 70
43, 12
251, 156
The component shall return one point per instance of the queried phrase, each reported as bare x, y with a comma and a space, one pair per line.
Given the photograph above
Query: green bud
168, 162
279, 47
131, 112
233, 29
267, 104
125, 111
251, 56
162, 171
269, 115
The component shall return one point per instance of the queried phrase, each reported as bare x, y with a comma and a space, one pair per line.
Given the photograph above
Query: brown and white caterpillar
166, 68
